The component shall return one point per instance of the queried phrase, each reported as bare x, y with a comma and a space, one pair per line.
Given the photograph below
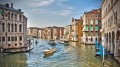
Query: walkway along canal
73, 55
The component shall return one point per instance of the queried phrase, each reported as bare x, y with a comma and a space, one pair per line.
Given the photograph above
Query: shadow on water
72, 55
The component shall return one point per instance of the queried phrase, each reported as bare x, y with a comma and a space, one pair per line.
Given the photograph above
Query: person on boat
36, 42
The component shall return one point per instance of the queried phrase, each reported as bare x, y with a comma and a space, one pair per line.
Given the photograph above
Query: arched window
9, 44
95, 39
12, 27
8, 27
12, 16
15, 17
15, 38
91, 39
8, 16
86, 39
15, 27
3, 27
15, 44
20, 28
20, 18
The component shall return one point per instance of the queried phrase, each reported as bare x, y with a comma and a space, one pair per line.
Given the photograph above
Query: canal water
72, 55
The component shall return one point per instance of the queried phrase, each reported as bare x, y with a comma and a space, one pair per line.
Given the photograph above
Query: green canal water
73, 55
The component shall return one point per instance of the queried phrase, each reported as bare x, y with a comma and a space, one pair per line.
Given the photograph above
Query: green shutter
2, 12
91, 21
96, 21
86, 27
91, 28
96, 28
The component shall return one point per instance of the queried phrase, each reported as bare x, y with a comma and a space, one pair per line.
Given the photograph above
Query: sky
44, 13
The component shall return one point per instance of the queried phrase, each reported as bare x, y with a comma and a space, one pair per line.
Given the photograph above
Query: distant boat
52, 42
49, 52
64, 41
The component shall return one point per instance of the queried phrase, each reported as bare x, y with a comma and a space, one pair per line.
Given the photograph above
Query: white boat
64, 41
49, 51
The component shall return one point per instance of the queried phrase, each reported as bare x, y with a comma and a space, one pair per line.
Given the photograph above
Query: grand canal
73, 55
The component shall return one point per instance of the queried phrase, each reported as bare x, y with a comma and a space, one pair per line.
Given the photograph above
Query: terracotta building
91, 26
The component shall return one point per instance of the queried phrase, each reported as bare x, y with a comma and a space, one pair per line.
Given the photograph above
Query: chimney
11, 5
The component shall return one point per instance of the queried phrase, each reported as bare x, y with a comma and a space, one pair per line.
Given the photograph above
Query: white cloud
37, 3
65, 12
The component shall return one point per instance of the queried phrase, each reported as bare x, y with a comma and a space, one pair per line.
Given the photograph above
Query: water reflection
13, 60
72, 55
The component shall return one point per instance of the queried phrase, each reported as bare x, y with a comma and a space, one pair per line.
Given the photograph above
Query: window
15, 44
15, 38
86, 39
20, 28
0, 39
15, 17
12, 16
12, 27
9, 44
8, 27
91, 21
91, 28
3, 27
96, 28
12, 38
95, 39
20, 38
8, 16
8, 38
86, 33
20, 43
91, 39
3, 39
20, 18
86, 28
91, 16
96, 21
15, 27
91, 34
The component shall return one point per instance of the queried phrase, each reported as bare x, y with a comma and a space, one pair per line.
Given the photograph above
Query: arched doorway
109, 41
113, 43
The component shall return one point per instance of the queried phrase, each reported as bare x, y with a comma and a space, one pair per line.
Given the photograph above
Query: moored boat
52, 42
64, 41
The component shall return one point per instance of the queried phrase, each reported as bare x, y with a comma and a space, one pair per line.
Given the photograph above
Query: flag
2, 12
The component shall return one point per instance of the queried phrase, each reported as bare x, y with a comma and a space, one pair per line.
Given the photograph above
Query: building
91, 26
74, 29
13, 27
111, 27
56, 32
61, 29
67, 32
80, 33
39, 32
33, 32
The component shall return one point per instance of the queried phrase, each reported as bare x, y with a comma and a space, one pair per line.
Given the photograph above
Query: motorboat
49, 52
52, 42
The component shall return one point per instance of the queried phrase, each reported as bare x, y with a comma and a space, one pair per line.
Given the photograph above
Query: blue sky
43, 13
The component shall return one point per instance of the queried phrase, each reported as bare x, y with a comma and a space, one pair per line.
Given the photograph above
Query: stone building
91, 26
111, 26
13, 27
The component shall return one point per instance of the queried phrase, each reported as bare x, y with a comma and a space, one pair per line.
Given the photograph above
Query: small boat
49, 51
52, 42
64, 41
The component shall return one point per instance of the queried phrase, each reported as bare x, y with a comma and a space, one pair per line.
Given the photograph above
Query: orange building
80, 33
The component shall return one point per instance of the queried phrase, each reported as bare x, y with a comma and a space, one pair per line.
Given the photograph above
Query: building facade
13, 27
33, 32
74, 29
91, 26
67, 32
111, 26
